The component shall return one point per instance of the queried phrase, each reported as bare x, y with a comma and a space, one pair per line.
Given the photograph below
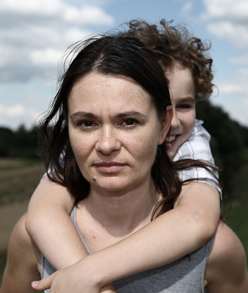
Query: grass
7, 164
18, 179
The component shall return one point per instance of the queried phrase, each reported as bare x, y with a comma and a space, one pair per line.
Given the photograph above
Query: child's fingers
44, 283
107, 289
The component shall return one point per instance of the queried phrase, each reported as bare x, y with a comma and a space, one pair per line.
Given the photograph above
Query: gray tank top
181, 276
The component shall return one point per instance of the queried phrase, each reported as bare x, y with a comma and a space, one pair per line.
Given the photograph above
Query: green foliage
228, 143
6, 141
20, 143
2, 265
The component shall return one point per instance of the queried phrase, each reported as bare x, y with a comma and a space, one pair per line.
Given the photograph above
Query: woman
114, 113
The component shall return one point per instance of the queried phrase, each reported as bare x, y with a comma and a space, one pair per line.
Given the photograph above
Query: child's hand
70, 280
107, 289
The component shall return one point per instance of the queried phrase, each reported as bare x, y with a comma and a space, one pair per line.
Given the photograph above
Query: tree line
21, 143
229, 141
229, 144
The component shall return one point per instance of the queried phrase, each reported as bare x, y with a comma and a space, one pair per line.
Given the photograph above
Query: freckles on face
114, 130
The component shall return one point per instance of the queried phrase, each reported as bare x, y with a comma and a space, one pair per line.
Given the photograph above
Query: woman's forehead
96, 90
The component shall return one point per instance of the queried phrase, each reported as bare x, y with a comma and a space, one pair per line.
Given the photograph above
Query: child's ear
166, 123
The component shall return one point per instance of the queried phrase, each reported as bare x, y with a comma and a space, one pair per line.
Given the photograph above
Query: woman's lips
109, 167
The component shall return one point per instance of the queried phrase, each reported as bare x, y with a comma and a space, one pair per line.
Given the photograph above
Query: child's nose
175, 121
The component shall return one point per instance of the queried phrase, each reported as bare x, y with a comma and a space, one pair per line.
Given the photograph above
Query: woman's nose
107, 141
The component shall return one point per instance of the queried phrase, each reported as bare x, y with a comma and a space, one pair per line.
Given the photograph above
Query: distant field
18, 179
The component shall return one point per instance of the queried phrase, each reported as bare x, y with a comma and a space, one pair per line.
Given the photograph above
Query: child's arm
51, 228
170, 236
49, 224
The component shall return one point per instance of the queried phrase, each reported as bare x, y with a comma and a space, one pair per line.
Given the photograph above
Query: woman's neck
121, 213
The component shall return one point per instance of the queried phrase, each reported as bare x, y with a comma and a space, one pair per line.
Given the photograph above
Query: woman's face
114, 131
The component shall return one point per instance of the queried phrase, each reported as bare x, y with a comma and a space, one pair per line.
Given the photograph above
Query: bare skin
226, 270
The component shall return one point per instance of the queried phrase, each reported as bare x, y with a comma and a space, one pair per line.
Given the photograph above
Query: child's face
182, 93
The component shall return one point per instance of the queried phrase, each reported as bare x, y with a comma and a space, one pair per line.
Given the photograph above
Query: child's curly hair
174, 44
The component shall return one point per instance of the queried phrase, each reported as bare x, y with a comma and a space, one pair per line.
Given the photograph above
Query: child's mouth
170, 138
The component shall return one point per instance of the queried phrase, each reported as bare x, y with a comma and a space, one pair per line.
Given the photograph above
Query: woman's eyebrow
119, 115
129, 113
83, 114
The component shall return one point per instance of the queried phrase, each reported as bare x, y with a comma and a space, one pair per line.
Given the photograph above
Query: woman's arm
170, 236
22, 262
226, 270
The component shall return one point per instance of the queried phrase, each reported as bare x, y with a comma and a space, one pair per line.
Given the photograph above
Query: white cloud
75, 34
58, 9
13, 111
186, 8
238, 86
228, 20
87, 15
241, 60
24, 6
16, 114
236, 33
240, 112
243, 74
46, 57
230, 10
35, 34
235, 89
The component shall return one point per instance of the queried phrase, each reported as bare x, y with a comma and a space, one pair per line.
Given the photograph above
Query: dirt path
9, 215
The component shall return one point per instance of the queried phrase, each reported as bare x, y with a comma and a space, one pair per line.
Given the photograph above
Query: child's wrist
96, 273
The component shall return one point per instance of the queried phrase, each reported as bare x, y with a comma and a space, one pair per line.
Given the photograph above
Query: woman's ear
166, 123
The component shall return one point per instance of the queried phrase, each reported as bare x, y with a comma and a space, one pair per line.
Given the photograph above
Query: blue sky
35, 34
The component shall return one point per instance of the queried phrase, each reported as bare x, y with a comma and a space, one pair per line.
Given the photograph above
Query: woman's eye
86, 123
129, 122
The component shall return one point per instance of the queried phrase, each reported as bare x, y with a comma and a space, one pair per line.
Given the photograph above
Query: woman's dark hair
111, 55
175, 45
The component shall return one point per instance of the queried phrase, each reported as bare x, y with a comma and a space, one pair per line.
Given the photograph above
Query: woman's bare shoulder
23, 261
226, 270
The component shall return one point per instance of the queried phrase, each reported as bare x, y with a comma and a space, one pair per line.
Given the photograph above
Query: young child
172, 235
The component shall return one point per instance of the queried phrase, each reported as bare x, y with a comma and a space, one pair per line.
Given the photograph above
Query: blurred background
34, 36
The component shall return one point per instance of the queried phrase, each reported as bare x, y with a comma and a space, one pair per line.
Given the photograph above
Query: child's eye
184, 106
